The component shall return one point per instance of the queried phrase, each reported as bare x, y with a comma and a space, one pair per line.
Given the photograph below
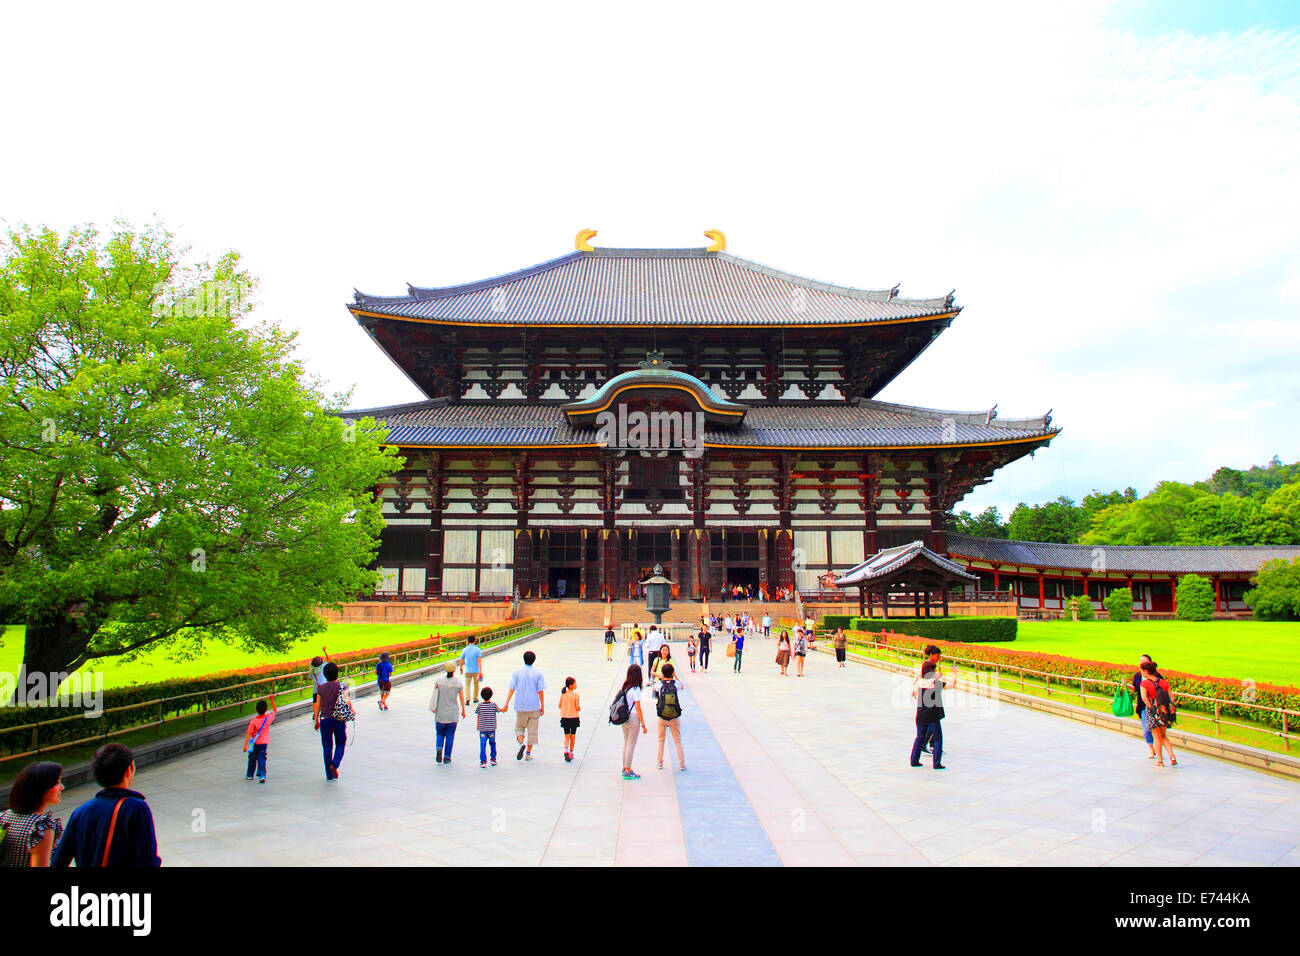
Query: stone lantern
658, 590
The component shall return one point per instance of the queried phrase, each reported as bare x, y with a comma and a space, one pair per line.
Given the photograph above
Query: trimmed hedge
1226, 689
832, 621
965, 629
189, 693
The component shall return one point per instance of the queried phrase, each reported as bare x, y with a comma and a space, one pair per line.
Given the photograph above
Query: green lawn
1263, 651
222, 657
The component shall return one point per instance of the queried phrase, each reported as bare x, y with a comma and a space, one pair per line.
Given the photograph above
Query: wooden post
1042, 592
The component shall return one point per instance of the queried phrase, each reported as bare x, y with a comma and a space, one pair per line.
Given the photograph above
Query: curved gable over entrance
654, 385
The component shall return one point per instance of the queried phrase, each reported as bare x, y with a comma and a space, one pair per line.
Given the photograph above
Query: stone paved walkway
781, 770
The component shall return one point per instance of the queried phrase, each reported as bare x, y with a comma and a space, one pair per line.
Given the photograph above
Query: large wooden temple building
612, 409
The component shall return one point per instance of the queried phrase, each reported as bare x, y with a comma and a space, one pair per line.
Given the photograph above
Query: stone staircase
566, 613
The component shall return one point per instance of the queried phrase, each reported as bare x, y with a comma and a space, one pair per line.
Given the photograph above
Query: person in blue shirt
738, 638
471, 668
384, 673
114, 827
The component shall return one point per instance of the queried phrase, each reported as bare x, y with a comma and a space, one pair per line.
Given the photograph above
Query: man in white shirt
652, 644
529, 683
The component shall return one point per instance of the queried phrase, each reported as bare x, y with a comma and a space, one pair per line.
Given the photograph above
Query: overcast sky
1114, 191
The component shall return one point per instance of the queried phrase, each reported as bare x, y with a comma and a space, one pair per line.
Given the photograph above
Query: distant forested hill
1260, 505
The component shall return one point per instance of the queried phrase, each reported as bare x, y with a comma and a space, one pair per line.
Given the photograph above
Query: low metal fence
170, 709
1028, 677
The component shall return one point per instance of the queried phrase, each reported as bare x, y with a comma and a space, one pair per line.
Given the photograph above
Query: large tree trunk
55, 641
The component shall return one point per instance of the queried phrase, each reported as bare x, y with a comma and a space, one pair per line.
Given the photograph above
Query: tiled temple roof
652, 287
1162, 559
868, 424
886, 562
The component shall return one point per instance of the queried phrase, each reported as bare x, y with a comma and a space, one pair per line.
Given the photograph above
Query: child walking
487, 726
383, 674
690, 649
570, 705
257, 737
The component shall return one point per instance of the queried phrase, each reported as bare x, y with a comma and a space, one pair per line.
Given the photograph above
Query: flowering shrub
1235, 693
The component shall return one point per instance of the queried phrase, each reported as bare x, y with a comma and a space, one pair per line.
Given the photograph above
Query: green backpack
1122, 705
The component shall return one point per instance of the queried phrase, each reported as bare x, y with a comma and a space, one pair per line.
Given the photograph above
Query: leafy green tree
1119, 604
1152, 519
167, 473
1059, 521
1080, 608
1276, 594
1279, 518
1221, 520
1195, 598
987, 524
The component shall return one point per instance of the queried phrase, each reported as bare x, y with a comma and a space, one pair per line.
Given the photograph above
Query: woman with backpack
1158, 713
668, 708
627, 706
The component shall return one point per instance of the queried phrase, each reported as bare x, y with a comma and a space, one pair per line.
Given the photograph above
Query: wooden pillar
582, 565
862, 601
927, 602
1173, 592
996, 579
631, 573
433, 475
945, 599
675, 565
884, 600
602, 567
1042, 592
1218, 596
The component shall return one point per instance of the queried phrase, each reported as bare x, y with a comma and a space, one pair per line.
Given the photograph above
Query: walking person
654, 640
486, 712
635, 650
841, 644
706, 641
448, 699
800, 651
738, 641
258, 738
331, 711
529, 683
114, 828
1140, 705
633, 720
383, 676
668, 710
570, 706
317, 671
692, 646
30, 831
783, 651
471, 665
767, 624
1159, 714
928, 693
609, 642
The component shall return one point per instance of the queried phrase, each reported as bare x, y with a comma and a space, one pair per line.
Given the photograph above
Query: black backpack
669, 706
1164, 703
619, 712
